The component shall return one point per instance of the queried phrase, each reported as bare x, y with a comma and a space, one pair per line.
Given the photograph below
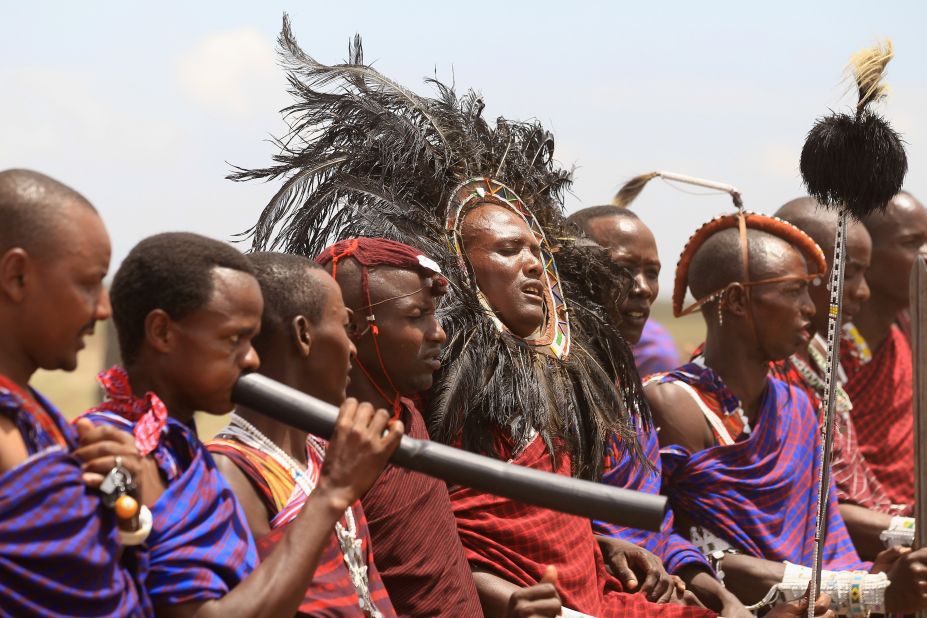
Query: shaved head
820, 224
718, 262
900, 208
772, 320
583, 217
899, 235
816, 221
31, 208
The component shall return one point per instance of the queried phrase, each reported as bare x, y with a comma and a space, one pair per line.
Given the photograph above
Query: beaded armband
900, 533
852, 593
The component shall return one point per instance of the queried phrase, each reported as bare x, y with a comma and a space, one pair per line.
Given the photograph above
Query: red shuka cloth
882, 395
855, 482
516, 542
415, 539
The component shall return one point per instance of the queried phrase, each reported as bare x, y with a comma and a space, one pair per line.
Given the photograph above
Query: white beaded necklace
844, 405
351, 546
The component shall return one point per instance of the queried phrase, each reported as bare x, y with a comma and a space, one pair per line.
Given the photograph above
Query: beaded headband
553, 337
744, 220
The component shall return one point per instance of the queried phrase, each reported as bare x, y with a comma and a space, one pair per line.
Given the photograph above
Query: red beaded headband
743, 220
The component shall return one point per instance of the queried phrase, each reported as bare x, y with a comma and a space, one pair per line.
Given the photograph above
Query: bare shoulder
677, 417
12, 446
255, 511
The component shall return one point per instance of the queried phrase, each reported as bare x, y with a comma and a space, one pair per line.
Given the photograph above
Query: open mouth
534, 290
806, 332
635, 315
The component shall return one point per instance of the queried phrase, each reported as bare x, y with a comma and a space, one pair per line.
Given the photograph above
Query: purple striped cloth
674, 550
59, 550
656, 351
200, 543
760, 493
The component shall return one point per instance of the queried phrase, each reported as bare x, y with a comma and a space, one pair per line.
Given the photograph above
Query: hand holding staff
568, 495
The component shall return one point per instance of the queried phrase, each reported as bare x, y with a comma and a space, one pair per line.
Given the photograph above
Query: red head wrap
378, 252
369, 252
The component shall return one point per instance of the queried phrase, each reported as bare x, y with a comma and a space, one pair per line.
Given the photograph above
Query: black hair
31, 207
287, 289
172, 272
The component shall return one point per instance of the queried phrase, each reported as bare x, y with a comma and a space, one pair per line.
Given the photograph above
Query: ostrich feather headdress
367, 156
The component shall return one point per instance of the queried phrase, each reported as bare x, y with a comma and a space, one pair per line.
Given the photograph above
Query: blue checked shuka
620, 471
59, 550
200, 543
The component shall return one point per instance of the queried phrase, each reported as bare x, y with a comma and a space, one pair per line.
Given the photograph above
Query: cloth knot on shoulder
148, 413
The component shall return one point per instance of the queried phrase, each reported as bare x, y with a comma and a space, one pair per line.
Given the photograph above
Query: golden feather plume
867, 67
631, 189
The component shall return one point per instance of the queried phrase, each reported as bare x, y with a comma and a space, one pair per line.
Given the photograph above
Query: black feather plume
366, 156
856, 161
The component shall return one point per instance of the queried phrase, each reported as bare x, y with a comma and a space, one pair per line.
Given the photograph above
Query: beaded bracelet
137, 537
900, 533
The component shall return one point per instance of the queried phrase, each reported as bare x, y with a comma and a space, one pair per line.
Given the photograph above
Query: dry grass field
689, 332
76, 391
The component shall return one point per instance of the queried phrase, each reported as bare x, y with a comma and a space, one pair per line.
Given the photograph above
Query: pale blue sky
142, 106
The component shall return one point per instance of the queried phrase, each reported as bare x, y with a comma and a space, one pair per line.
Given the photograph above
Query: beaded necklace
816, 382
351, 546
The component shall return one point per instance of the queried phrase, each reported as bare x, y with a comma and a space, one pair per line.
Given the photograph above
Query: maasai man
739, 448
304, 344
59, 546
866, 509
878, 354
631, 245
393, 291
501, 536
186, 308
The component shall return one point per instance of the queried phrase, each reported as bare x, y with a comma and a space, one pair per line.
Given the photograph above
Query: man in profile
54, 254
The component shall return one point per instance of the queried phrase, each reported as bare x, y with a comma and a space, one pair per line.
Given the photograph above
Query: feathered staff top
856, 161
367, 157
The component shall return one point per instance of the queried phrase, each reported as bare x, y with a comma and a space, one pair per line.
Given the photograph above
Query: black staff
625, 507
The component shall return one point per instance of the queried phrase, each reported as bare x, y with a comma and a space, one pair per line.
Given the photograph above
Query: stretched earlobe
735, 299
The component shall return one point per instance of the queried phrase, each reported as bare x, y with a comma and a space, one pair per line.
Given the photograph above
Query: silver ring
118, 461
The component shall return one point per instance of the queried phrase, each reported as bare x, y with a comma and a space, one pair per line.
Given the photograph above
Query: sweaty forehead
485, 221
775, 257
618, 232
902, 212
389, 282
